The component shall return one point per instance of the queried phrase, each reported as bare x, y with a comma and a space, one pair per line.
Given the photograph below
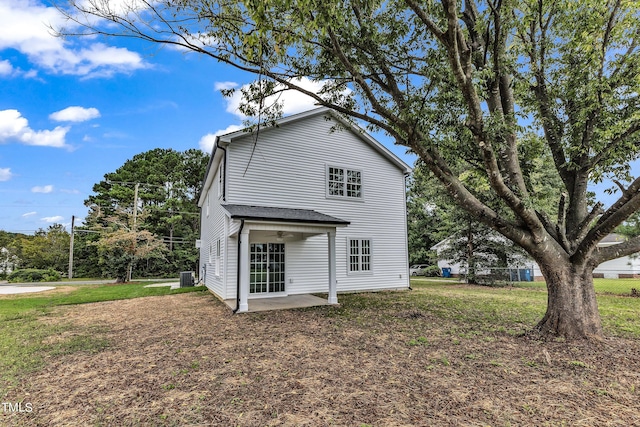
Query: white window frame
362, 259
345, 184
218, 257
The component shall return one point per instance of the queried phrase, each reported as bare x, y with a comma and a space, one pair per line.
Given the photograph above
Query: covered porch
271, 277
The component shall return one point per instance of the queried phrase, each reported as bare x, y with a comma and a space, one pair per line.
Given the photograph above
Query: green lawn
518, 308
603, 286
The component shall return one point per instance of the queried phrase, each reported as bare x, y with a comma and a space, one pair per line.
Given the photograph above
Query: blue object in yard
525, 275
446, 272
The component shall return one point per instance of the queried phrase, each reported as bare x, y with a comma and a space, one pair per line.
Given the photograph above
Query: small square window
342, 182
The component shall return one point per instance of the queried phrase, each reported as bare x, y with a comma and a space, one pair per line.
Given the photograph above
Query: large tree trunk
572, 309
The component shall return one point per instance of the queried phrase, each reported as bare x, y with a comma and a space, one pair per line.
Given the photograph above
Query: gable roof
267, 213
355, 129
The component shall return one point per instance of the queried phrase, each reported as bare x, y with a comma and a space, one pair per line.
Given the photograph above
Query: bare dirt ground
185, 360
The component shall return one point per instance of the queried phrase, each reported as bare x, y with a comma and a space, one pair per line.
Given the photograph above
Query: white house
302, 207
624, 267
8, 262
619, 268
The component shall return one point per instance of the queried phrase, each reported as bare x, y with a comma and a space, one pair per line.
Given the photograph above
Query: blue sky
73, 110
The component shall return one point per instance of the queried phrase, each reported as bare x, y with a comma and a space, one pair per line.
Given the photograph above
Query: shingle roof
266, 213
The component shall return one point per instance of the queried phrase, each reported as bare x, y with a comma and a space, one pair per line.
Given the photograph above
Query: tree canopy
492, 83
161, 187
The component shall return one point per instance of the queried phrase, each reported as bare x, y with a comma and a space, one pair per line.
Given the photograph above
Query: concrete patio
281, 303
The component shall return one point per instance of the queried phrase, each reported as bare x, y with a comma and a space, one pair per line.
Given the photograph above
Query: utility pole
73, 218
135, 238
135, 205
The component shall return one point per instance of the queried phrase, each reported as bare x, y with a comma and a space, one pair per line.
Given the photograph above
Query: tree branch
603, 154
619, 250
626, 205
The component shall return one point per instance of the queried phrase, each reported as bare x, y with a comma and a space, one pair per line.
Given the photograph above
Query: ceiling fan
281, 235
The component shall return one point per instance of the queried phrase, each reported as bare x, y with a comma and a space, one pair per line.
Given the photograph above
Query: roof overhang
282, 215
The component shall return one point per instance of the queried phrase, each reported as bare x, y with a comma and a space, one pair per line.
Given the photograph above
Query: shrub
34, 275
431, 271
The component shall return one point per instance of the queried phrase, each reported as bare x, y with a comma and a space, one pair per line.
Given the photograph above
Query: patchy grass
443, 354
21, 304
25, 338
517, 309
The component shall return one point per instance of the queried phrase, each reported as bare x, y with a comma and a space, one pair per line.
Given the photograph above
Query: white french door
267, 268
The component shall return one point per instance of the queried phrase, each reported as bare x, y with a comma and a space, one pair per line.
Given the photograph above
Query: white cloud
24, 26
56, 218
75, 114
225, 85
5, 174
42, 189
197, 40
293, 101
28, 214
14, 126
207, 142
6, 68
46, 138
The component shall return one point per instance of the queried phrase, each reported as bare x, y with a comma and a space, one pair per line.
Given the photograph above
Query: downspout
224, 176
224, 199
406, 227
238, 273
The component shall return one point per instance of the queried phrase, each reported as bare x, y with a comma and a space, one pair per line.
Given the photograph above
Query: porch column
243, 259
333, 288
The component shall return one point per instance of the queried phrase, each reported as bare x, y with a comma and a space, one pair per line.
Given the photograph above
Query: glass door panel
266, 268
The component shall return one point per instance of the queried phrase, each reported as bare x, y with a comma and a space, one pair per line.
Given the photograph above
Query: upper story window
343, 182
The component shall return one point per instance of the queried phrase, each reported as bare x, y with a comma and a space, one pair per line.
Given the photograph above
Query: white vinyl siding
213, 247
290, 169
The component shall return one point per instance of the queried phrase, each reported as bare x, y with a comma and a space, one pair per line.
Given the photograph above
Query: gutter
238, 272
224, 176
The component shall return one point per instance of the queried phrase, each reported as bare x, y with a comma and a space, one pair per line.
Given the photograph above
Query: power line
108, 181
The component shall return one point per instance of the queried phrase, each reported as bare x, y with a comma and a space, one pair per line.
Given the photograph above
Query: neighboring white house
624, 267
519, 266
303, 208
8, 262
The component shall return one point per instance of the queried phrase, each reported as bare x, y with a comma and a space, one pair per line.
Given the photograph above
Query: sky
75, 109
